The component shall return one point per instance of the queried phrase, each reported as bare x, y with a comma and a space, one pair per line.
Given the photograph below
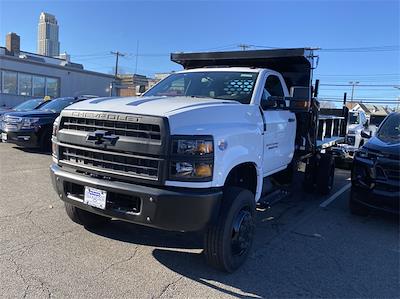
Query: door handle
291, 120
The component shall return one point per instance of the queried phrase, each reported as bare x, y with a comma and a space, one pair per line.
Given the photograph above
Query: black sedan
28, 105
34, 128
375, 175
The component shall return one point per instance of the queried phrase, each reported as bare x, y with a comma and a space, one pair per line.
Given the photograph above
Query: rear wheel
228, 241
85, 218
325, 174
309, 176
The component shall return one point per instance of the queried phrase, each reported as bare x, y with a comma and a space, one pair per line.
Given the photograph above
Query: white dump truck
199, 150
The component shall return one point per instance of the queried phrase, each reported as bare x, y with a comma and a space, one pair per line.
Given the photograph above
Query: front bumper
26, 138
174, 210
373, 190
343, 152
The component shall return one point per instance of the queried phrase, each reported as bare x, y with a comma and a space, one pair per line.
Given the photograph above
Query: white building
25, 75
47, 43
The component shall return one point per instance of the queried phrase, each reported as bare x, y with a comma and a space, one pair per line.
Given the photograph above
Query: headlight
192, 158
56, 125
28, 122
191, 170
192, 147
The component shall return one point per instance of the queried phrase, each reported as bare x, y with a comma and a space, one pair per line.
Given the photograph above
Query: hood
156, 106
384, 146
354, 127
33, 113
3, 111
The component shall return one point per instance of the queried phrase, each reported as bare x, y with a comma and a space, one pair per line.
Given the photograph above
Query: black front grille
113, 163
351, 140
392, 173
120, 128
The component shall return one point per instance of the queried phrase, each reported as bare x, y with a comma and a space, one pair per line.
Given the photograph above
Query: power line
364, 85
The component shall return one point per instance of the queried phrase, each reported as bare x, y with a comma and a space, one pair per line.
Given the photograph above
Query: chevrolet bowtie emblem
100, 137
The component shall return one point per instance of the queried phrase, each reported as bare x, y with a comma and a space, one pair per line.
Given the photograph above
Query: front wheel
229, 240
354, 206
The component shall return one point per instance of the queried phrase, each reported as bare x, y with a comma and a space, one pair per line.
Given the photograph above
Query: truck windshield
236, 86
28, 105
390, 129
353, 118
57, 105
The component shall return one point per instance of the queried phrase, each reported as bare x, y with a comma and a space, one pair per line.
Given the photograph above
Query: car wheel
309, 176
325, 174
229, 240
45, 141
85, 218
355, 207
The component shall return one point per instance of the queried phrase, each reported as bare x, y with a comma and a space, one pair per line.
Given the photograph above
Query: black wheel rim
242, 233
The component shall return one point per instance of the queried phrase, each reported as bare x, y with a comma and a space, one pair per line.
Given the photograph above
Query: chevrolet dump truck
199, 150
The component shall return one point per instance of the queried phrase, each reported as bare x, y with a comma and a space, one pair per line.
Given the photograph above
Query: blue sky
89, 30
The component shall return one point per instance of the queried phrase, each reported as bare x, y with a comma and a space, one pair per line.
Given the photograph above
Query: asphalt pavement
303, 248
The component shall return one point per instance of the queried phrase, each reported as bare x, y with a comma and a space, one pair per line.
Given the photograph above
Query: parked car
375, 176
33, 128
199, 150
28, 105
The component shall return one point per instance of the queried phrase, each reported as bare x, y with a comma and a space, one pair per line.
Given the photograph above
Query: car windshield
376, 119
353, 118
226, 85
57, 105
390, 129
28, 105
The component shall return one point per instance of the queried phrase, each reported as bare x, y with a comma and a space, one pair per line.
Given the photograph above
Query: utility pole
137, 56
117, 54
353, 83
398, 99
244, 47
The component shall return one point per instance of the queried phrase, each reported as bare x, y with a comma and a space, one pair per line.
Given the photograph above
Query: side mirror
365, 135
269, 104
300, 93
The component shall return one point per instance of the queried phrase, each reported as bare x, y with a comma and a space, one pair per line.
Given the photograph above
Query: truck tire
45, 141
309, 176
228, 241
85, 218
325, 174
355, 207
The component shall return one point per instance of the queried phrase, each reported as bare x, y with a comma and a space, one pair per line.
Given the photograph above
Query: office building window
38, 86
24, 84
52, 87
9, 82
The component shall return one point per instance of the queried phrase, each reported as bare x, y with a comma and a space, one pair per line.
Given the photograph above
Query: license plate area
95, 197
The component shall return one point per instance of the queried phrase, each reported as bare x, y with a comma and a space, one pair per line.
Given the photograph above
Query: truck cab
357, 123
199, 150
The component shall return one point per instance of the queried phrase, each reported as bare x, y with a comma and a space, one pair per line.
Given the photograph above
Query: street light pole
398, 99
353, 83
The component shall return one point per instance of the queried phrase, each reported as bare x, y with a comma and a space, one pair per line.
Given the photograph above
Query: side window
273, 86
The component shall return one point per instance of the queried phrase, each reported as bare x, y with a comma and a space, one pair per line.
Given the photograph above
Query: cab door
280, 130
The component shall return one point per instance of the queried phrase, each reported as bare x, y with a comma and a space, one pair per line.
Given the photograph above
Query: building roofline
67, 68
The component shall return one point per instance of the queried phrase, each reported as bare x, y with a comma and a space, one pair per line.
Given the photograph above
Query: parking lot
306, 246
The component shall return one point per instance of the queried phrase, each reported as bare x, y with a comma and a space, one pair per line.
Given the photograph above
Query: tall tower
48, 43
